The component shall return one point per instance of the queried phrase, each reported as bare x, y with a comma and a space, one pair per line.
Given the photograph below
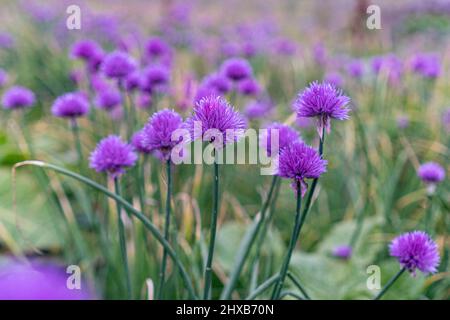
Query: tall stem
429, 215
389, 284
213, 227
77, 140
295, 233
122, 240
162, 273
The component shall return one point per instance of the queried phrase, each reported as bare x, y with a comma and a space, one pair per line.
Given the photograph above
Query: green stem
247, 243
263, 287
295, 233
429, 215
77, 140
166, 230
122, 239
213, 227
389, 284
127, 206
298, 285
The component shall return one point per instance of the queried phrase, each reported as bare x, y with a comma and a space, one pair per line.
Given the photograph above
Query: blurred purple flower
6, 40
319, 54
415, 250
355, 69
324, 101
156, 48
249, 87
37, 281
85, 50
137, 141
258, 109
286, 135
18, 97
285, 47
154, 77
342, 251
118, 65
402, 121
389, 65
334, 78
113, 156
426, 64
3, 77
108, 98
70, 105
236, 69
133, 81
431, 173
300, 162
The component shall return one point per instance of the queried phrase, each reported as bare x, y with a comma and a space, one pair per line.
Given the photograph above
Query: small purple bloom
113, 156
18, 97
426, 64
258, 109
334, 78
415, 250
3, 77
157, 47
249, 87
213, 115
37, 281
236, 69
389, 65
108, 99
320, 54
157, 133
342, 251
144, 100
355, 69
299, 162
118, 65
402, 121
285, 47
324, 101
286, 135
85, 50
71, 105
217, 81
137, 141
154, 77
431, 173
133, 81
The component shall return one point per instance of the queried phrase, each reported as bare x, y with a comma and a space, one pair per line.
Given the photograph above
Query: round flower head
218, 82
334, 79
157, 133
236, 69
258, 109
137, 141
299, 162
426, 64
113, 156
389, 65
415, 250
118, 65
431, 173
324, 101
355, 69
17, 98
156, 47
133, 81
342, 252
3, 77
85, 50
154, 77
286, 135
108, 98
212, 118
249, 87
70, 105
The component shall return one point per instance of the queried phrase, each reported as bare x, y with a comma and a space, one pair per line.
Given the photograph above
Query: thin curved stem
389, 284
166, 229
77, 140
122, 240
212, 239
298, 285
127, 206
263, 287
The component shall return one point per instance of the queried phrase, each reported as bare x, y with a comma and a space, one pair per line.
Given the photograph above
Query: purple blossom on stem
415, 250
86, 50
431, 173
154, 77
118, 65
236, 69
249, 87
300, 162
324, 101
18, 97
426, 64
113, 156
137, 141
342, 251
108, 98
286, 135
71, 105
355, 69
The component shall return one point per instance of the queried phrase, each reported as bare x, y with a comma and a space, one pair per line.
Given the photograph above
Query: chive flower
426, 65
85, 50
108, 98
249, 87
70, 105
118, 65
286, 135
431, 173
415, 250
299, 162
18, 97
113, 156
323, 101
342, 252
236, 69
154, 77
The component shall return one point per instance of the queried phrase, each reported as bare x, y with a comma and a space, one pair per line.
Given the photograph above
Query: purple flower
258, 109
17, 98
324, 101
431, 173
218, 82
3, 77
70, 105
236, 69
137, 141
285, 47
249, 87
118, 65
402, 121
154, 77
133, 81
214, 117
342, 251
334, 78
37, 281
6, 40
355, 69
389, 65
299, 162
86, 50
286, 135
144, 100
113, 156
108, 98
156, 48
415, 250
426, 64
157, 133
320, 54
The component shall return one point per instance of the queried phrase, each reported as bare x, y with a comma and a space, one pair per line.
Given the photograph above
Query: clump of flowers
415, 251
324, 102
299, 162
112, 156
18, 97
71, 105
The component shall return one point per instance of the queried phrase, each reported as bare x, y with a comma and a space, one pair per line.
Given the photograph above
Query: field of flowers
117, 173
